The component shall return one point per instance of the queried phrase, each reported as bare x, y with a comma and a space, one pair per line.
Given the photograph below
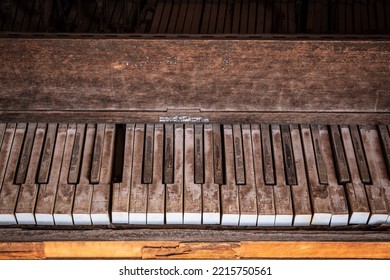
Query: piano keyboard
191, 173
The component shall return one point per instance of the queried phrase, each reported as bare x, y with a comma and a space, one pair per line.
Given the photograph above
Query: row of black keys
339, 156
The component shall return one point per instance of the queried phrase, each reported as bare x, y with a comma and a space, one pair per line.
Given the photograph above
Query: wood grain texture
148, 75
194, 250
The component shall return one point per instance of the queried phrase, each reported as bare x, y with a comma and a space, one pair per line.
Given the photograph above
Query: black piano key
238, 155
47, 154
385, 142
324, 16
341, 18
360, 155
364, 17
268, 159
75, 162
310, 16
198, 156
320, 162
372, 17
168, 154
97, 154
349, 16
288, 154
119, 150
218, 155
147, 174
317, 14
339, 156
24, 158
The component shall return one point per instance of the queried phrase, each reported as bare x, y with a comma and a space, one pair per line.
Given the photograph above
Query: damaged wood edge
194, 250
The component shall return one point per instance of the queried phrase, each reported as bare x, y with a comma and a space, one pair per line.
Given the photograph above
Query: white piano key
81, 212
211, 204
100, 214
139, 191
47, 192
282, 192
264, 193
340, 214
25, 207
229, 192
247, 192
174, 192
9, 190
192, 191
65, 192
300, 192
121, 191
156, 190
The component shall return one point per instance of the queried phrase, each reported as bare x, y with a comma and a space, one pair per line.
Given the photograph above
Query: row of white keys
47, 192
121, 191
378, 193
300, 192
340, 213
282, 191
355, 191
25, 207
13, 140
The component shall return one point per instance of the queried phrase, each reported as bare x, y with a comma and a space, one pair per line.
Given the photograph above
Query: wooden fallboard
339, 81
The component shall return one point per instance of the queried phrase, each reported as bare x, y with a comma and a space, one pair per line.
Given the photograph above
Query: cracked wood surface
194, 250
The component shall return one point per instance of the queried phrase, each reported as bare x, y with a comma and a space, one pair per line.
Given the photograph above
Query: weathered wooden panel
207, 75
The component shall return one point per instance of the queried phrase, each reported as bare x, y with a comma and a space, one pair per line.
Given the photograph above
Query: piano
194, 129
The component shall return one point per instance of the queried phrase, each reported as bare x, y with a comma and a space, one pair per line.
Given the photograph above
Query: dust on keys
194, 173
